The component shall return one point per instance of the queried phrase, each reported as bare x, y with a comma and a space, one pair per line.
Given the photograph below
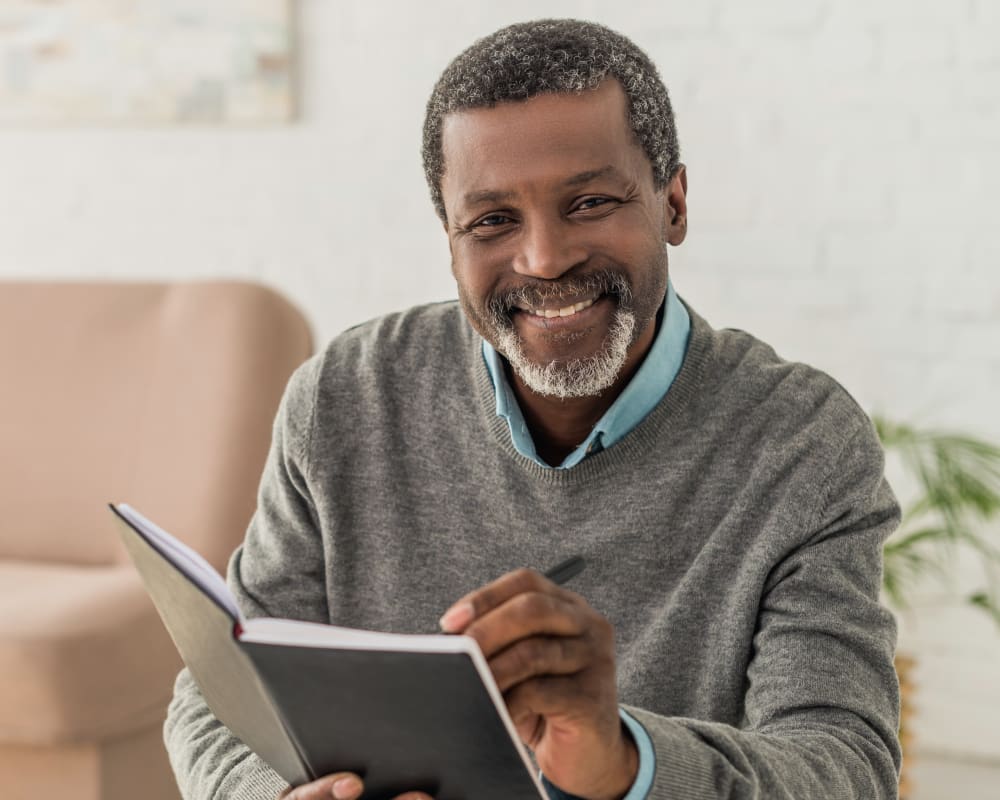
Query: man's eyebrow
486, 196
591, 174
497, 196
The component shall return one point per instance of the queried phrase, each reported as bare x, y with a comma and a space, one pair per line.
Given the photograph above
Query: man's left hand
553, 657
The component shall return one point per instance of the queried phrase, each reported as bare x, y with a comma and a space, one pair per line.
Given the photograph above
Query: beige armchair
161, 396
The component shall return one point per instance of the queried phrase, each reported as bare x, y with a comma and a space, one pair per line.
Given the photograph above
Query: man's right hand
340, 786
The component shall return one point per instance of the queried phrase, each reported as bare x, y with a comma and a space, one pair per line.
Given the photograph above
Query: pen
565, 570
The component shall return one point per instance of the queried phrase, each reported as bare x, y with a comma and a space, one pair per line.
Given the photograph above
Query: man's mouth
562, 311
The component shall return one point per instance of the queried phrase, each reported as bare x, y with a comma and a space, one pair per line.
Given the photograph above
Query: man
726, 639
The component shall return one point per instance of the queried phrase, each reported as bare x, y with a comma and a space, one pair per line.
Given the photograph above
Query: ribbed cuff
253, 780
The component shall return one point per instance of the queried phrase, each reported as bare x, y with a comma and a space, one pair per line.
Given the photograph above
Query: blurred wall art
145, 61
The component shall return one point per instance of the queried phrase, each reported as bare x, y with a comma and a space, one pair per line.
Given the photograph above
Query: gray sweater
733, 538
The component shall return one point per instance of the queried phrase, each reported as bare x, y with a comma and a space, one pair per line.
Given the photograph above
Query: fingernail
346, 788
457, 617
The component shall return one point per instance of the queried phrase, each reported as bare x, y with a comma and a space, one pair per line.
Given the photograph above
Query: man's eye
591, 202
492, 221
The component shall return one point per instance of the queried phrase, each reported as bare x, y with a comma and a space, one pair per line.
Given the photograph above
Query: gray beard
581, 377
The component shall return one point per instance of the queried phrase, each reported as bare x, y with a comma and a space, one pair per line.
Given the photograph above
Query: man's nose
548, 250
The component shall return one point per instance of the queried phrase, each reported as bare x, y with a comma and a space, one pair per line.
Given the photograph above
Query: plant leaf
982, 601
958, 477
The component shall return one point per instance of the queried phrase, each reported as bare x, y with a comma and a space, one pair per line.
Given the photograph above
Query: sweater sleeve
281, 560
821, 703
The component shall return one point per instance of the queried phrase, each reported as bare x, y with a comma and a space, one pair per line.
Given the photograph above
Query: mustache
537, 293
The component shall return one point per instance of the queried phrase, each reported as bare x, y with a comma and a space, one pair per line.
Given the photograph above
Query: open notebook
404, 711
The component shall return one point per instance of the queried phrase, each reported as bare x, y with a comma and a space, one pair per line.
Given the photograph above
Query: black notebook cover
402, 720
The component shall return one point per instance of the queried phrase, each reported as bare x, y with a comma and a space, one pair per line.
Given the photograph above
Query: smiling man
726, 639
558, 229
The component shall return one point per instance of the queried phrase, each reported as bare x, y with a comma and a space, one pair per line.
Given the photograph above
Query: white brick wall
844, 160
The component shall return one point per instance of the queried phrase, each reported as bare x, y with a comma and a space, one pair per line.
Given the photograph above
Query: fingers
540, 655
475, 604
529, 614
526, 626
339, 786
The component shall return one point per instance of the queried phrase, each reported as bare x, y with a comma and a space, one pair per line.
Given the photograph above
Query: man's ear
675, 207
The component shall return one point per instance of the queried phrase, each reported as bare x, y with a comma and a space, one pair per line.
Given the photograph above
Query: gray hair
552, 56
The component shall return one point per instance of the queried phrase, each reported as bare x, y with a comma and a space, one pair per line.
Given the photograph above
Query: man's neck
559, 426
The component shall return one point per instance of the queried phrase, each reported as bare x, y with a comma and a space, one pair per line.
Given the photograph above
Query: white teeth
562, 312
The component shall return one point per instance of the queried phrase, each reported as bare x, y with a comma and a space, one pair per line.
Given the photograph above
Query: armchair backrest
158, 395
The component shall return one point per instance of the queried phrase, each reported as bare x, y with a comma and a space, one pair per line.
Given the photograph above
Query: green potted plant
951, 488
957, 479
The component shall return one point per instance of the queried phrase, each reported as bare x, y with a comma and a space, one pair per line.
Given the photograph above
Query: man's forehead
563, 138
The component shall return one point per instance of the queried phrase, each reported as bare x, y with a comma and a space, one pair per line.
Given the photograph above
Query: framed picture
145, 61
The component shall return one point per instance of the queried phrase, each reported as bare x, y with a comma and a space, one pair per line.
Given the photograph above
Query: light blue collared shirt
647, 387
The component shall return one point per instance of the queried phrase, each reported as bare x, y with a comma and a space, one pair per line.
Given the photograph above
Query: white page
187, 560
264, 630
